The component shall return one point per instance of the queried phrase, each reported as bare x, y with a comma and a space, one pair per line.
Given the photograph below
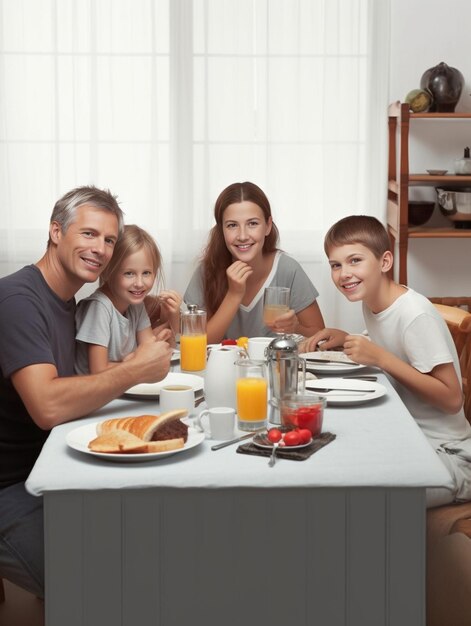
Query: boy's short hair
363, 229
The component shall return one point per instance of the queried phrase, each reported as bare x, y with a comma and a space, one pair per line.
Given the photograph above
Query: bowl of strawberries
303, 412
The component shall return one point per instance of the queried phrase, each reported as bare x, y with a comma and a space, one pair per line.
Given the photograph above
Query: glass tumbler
251, 391
275, 303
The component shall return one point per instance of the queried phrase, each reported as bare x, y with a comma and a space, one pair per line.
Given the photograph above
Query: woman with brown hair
239, 261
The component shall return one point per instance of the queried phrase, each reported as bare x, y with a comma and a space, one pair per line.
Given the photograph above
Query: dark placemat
294, 455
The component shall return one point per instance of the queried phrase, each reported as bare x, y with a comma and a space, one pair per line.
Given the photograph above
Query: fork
272, 459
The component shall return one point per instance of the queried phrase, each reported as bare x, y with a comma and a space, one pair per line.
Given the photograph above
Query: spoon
272, 459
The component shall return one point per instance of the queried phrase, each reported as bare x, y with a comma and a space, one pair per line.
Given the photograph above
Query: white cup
221, 422
174, 397
256, 347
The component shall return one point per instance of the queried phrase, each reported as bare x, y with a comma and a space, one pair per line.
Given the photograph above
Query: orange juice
193, 352
251, 399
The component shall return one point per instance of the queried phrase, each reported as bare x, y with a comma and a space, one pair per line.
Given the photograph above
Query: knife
331, 361
218, 446
328, 389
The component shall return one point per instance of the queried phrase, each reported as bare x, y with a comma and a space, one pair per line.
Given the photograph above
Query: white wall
424, 33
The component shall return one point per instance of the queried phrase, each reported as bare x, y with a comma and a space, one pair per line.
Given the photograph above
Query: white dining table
217, 537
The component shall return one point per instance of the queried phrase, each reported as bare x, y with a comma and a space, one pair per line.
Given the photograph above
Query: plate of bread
150, 391
137, 438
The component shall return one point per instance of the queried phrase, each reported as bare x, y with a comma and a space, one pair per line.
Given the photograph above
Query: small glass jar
193, 339
303, 411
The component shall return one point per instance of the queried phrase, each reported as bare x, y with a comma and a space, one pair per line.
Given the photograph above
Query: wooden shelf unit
400, 179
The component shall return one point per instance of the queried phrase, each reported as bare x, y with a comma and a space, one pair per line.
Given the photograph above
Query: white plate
342, 366
260, 441
79, 438
175, 356
150, 391
357, 395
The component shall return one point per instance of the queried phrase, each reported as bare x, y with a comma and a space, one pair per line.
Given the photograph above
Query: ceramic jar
445, 83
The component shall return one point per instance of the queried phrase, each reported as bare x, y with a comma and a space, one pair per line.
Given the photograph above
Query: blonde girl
113, 321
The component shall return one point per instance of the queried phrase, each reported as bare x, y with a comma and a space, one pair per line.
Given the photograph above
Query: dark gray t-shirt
36, 326
248, 321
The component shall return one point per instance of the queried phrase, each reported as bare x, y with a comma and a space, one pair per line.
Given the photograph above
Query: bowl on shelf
437, 172
420, 211
455, 204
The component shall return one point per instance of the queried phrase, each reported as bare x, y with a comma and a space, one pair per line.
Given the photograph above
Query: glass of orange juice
275, 303
193, 340
251, 391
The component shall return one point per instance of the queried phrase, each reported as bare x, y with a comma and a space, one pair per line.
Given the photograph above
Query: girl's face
245, 228
133, 280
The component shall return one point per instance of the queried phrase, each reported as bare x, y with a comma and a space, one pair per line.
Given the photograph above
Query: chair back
459, 323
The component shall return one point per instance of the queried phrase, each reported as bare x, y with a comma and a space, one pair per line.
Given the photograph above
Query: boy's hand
361, 350
325, 339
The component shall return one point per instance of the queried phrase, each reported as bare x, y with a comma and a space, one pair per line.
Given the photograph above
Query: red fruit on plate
228, 342
274, 435
305, 435
292, 438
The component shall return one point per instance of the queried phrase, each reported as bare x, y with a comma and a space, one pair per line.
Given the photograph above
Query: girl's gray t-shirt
99, 322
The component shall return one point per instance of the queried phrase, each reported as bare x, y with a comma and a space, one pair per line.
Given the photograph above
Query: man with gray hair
38, 388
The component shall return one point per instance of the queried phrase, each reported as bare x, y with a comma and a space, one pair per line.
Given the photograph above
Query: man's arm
51, 399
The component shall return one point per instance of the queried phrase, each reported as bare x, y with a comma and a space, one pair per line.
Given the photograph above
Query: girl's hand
170, 302
362, 350
325, 339
286, 323
237, 276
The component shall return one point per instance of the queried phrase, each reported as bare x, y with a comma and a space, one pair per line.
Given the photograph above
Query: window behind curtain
165, 102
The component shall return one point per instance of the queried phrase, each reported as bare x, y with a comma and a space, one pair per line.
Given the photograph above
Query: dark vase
445, 83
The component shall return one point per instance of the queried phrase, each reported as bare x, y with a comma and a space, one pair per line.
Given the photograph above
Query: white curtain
165, 102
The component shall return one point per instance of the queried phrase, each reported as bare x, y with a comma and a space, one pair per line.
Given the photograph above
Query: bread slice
118, 442
165, 445
145, 427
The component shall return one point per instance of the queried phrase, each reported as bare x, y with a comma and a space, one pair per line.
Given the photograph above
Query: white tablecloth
378, 444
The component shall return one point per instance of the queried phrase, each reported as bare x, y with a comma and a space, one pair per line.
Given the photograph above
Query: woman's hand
286, 323
237, 276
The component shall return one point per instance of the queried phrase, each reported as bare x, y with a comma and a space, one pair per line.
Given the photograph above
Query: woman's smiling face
245, 228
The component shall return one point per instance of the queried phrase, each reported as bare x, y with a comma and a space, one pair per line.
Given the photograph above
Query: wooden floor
20, 608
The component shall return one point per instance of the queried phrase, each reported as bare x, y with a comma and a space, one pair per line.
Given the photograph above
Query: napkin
294, 455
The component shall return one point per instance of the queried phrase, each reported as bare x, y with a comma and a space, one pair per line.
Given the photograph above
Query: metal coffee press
283, 369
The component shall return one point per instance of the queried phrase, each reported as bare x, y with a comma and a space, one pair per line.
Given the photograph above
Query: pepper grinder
463, 166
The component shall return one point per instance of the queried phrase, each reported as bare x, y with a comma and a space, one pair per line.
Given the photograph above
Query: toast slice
118, 442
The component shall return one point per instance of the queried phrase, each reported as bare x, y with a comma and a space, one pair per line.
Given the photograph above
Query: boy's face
356, 272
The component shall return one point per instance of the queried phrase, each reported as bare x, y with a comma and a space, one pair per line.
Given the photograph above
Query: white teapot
220, 376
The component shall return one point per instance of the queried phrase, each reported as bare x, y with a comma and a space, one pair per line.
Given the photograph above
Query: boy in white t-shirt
408, 340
